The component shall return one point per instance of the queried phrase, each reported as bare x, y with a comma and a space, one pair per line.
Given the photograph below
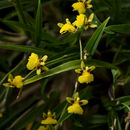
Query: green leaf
118, 124
99, 63
123, 99
110, 118
116, 73
44, 84
38, 26
122, 28
124, 102
66, 67
94, 40
19, 25
28, 49
5, 4
59, 69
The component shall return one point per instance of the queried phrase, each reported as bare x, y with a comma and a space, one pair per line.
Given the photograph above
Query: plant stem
76, 86
81, 51
6, 94
20, 92
29, 74
117, 52
61, 115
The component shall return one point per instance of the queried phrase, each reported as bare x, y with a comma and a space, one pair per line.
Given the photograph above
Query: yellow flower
81, 6
90, 19
1, 115
88, 4
76, 108
35, 62
81, 20
86, 77
42, 128
17, 81
68, 27
49, 119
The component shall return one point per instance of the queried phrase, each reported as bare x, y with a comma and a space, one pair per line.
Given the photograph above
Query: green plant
30, 28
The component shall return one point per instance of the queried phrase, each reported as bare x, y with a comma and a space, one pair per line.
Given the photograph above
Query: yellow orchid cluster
33, 62
76, 108
49, 120
85, 77
81, 19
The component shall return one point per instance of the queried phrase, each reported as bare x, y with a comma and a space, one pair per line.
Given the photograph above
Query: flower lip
49, 121
76, 108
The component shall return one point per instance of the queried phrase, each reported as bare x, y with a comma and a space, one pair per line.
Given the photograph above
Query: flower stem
63, 111
29, 74
76, 86
81, 51
19, 94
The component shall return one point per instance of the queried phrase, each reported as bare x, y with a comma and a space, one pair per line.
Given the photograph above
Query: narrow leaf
38, 26
122, 28
94, 40
23, 48
66, 67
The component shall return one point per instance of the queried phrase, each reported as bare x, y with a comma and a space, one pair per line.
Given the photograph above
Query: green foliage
31, 27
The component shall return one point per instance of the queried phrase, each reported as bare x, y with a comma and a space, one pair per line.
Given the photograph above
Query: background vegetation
31, 26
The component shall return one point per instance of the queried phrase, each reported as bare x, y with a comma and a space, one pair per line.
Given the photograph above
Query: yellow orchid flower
81, 20
76, 108
17, 81
81, 6
42, 128
67, 27
35, 62
86, 76
49, 119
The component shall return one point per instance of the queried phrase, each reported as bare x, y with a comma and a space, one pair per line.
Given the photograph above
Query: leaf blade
94, 40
